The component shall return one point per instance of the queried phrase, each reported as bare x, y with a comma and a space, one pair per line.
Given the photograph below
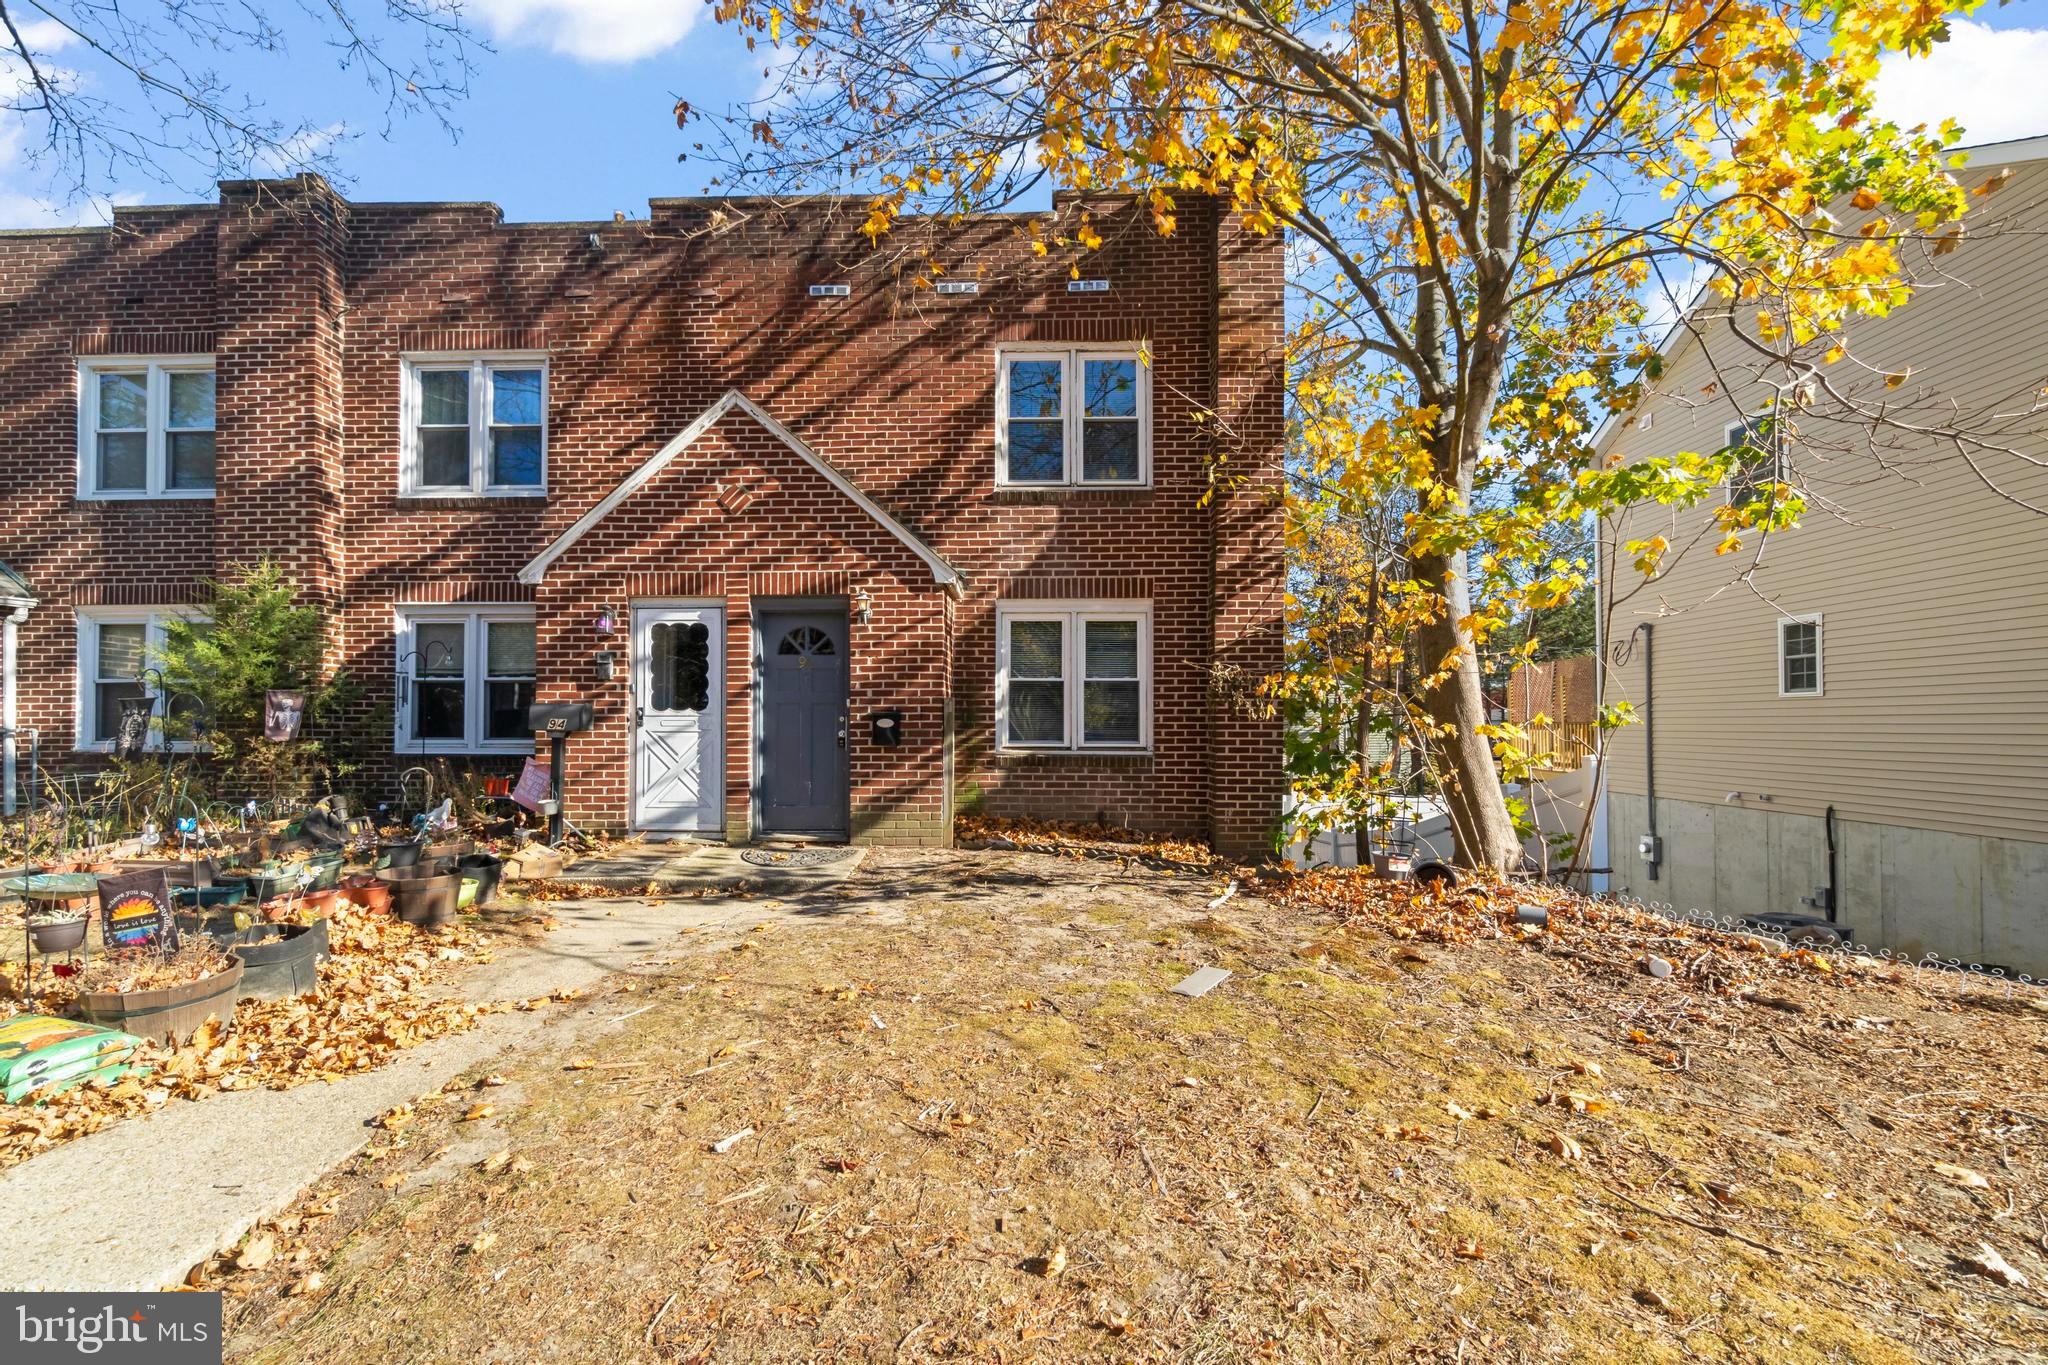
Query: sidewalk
134, 1206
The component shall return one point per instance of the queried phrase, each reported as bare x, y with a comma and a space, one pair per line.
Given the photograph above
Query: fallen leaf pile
126, 970
1071, 839
376, 999
1581, 929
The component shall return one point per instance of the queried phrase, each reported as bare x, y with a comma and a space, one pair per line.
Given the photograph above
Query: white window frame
1744, 433
85, 693
157, 446
1072, 359
1074, 615
480, 366
475, 678
1785, 623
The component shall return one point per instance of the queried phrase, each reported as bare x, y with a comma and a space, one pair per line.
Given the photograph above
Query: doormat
796, 857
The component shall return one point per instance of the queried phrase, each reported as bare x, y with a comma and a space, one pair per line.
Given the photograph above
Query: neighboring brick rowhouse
308, 302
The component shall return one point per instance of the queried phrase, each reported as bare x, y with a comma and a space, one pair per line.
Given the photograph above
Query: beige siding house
1887, 661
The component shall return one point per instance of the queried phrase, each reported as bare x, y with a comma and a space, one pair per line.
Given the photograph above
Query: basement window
145, 427
1799, 656
1074, 675
1073, 418
474, 426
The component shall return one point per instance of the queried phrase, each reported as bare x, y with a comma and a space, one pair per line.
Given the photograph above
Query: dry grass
985, 1131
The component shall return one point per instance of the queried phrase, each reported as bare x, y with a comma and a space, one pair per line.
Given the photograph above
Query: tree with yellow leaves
1483, 199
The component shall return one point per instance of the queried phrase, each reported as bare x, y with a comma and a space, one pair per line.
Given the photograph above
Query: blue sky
570, 116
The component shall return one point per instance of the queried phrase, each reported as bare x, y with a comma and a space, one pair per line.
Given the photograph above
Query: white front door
679, 718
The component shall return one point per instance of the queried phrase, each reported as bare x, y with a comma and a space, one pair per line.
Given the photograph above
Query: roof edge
943, 573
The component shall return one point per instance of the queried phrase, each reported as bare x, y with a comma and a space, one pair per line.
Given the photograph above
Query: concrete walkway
136, 1205
687, 865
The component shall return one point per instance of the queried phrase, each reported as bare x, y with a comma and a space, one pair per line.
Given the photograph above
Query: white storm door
679, 718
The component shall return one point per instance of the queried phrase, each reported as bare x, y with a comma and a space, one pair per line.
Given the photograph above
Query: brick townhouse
832, 552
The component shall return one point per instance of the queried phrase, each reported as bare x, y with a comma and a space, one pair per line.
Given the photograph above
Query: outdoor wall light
607, 622
863, 605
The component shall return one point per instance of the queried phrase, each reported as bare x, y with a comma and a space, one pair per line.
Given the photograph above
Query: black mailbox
886, 727
559, 717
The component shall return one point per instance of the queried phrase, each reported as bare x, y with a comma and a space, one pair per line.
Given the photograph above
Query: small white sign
1202, 982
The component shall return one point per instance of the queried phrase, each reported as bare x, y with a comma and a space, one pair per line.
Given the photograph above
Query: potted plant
425, 893
156, 994
57, 929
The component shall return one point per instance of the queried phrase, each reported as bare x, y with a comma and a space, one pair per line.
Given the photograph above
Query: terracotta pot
367, 893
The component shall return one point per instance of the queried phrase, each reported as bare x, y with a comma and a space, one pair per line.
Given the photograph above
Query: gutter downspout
1656, 846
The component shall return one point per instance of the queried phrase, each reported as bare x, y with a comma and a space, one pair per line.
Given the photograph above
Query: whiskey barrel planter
454, 848
281, 960
423, 894
173, 1013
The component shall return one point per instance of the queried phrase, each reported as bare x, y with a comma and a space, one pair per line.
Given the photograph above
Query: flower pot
466, 896
290, 909
173, 1013
398, 853
271, 882
58, 935
211, 897
282, 960
367, 893
426, 898
453, 848
487, 869
326, 870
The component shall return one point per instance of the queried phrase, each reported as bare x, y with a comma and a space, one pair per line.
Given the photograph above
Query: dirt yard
982, 1129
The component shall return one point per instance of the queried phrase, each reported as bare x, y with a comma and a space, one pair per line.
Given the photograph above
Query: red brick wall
894, 385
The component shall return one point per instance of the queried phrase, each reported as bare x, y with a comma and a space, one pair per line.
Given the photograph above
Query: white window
116, 646
1758, 461
145, 427
1073, 417
475, 426
465, 679
1799, 656
1074, 675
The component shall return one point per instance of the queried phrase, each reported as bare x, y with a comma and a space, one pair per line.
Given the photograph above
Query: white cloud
1988, 80
592, 30
1673, 289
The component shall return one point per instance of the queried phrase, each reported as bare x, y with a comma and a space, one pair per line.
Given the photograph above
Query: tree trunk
1471, 782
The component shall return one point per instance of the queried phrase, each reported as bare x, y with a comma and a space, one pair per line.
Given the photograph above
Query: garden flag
282, 712
135, 911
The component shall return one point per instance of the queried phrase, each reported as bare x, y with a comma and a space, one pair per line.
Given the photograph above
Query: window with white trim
1074, 675
465, 678
116, 646
1073, 417
1799, 656
1759, 462
475, 426
145, 427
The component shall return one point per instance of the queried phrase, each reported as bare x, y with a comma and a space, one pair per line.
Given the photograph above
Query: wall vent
1087, 286
830, 291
